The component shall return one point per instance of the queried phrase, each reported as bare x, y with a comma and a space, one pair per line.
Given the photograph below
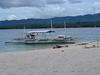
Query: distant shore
67, 60
46, 28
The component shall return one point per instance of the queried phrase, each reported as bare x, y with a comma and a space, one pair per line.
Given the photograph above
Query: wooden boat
32, 37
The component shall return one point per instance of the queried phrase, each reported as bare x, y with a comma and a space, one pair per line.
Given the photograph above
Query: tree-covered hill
71, 21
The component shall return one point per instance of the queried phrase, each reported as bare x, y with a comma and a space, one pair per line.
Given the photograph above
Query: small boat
44, 37
41, 37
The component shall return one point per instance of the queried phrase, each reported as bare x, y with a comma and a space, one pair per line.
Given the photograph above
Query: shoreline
71, 60
81, 45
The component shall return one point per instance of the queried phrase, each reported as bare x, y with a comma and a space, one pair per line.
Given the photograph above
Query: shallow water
84, 34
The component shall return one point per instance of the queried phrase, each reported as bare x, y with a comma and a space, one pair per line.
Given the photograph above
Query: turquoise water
84, 34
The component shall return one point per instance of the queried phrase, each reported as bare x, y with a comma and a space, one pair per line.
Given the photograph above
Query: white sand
74, 60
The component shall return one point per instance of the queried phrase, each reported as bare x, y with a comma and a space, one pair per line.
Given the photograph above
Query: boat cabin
33, 34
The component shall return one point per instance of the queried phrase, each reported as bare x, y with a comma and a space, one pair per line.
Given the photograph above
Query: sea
6, 35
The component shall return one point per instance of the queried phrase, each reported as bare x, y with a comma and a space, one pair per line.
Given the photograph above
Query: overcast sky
23, 9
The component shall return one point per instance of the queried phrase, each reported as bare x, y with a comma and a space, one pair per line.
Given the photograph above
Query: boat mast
51, 25
24, 30
65, 27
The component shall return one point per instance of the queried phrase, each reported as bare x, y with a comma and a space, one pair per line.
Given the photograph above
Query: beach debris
62, 50
66, 46
89, 46
72, 71
57, 46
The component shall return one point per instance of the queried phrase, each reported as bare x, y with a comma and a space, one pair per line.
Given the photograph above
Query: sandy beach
72, 60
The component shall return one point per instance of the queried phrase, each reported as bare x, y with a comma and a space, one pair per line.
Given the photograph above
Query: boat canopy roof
40, 31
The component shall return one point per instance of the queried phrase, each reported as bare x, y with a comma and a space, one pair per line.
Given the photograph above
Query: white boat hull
43, 42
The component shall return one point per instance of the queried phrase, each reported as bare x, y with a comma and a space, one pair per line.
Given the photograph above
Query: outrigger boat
40, 37
44, 37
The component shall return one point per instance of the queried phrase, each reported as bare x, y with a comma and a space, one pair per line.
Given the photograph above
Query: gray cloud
97, 5
21, 3
47, 8
75, 1
27, 3
55, 1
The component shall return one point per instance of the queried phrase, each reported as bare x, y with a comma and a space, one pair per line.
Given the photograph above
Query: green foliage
55, 25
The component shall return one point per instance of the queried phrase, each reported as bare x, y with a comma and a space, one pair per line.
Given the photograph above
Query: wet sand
72, 60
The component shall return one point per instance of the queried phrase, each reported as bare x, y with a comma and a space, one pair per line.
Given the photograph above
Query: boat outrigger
43, 37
